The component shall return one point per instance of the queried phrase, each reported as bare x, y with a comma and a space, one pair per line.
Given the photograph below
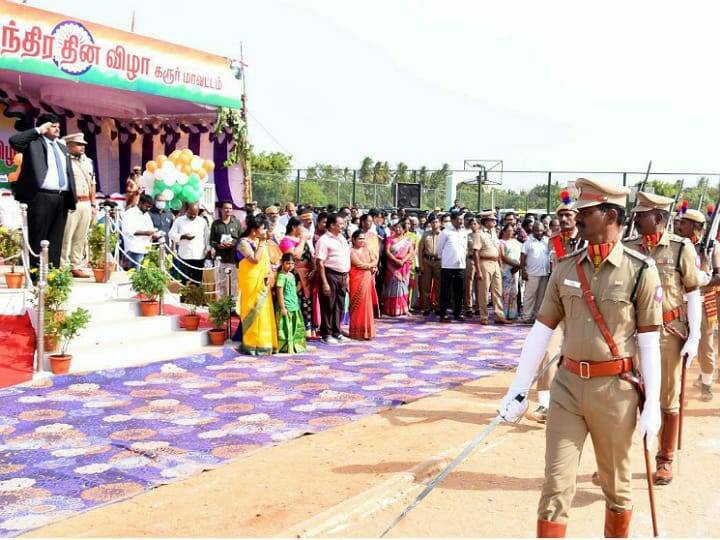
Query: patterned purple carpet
87, 440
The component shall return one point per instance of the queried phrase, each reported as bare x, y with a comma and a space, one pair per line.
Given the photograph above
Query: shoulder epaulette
649, 261
571, 255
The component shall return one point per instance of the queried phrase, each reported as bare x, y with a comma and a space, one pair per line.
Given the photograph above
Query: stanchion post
42, 283
108, 225
218, 275
228, 278
161, 253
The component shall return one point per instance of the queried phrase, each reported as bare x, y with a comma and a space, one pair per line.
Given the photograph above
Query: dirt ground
352, 480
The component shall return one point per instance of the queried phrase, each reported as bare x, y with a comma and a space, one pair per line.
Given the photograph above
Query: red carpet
17, 349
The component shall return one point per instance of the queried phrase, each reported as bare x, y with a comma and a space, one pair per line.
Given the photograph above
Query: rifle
630, 229
702, 195
678, 195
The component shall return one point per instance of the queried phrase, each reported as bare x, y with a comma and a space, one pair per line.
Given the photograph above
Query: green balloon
159, 186
193, 179
176, 189
188, 193
176, 204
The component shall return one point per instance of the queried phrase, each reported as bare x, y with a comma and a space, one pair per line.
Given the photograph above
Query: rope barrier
26, 241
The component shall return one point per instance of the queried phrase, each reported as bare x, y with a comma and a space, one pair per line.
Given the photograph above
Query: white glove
533, 351
704, 277
694, 303
649, 424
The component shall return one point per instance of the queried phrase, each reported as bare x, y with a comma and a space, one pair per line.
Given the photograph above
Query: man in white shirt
333, 265
191, 236
276, 230
535, 265
138, 230
452, 250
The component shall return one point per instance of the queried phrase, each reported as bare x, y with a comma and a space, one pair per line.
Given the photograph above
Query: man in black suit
46, 184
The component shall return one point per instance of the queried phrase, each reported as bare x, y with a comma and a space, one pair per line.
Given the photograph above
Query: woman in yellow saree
255, 306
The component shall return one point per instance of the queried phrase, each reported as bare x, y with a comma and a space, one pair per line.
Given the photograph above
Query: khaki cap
594, 193
565, 208
649, 201
77, 138
487, 214
693, 215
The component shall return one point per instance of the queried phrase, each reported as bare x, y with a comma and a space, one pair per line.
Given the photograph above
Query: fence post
549, 191
108, 225
354, 187
297, 188
42, 283
337, 195
161, 258
624, 179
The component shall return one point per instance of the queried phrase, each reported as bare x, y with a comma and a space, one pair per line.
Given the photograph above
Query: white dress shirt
334, 252
52, 179
537, 256
196, 248
134, 220
452, 247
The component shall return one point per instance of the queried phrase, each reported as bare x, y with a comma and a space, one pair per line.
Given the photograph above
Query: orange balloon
208, 165
184, 159
202, 174
174, 155
17, 160
186, 169
187, 152
151, 166
160, 159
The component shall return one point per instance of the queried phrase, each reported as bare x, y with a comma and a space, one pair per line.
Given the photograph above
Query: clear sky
540, 85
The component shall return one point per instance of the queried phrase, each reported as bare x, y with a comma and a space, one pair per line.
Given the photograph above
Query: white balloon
170, 180
160, 174
147, 176
182, 179
168, 165
195, 163
168, 194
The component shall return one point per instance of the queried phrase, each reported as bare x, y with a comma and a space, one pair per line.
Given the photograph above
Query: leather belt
83, 198
52, 191
669, 316
589, 370
488, 258
431, 257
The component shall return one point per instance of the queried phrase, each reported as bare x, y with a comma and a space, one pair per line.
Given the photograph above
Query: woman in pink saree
297, 242
400, 253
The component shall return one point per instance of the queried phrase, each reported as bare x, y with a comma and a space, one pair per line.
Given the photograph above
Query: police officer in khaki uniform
690, 224
487, 259
591, 392
429, 263
79, 220
565, 242
680, 334
473, 283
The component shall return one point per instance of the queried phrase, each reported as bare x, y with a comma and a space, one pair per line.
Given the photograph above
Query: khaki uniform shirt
472, 241
84, 178
483, 242
428, 244
675, 260
612, 285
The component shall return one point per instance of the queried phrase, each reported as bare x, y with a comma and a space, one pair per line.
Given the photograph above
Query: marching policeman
690, 225
565, 242
680, 334
610, 300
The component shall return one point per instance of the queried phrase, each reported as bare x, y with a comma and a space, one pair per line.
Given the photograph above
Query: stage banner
54, 45
7, 154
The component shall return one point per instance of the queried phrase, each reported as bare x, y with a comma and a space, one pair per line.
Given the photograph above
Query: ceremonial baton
465, 453
682, 400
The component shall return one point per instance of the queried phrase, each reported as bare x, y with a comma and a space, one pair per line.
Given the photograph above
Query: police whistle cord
469, 447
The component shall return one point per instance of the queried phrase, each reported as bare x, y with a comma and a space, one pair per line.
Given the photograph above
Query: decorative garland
239, 152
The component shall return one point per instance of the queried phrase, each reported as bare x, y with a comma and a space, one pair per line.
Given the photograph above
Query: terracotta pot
50, 344
99, 274
60, 363
112, 266
14, 280
217, 336
149, 308
190, 322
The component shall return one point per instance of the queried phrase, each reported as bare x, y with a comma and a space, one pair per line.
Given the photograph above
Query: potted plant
219, 313
64, 332
150, 282
96, 246
10, 248
194, 295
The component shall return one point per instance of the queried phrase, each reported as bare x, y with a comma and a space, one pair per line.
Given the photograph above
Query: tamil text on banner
54, 45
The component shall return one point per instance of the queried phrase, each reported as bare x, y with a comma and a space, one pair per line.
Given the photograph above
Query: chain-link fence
519, 190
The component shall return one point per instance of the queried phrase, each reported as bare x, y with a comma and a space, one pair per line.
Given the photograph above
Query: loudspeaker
407, 195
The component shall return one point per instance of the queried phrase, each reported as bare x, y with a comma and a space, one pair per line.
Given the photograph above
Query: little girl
290, 323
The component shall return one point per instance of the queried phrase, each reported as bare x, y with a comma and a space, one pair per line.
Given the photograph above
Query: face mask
160, 205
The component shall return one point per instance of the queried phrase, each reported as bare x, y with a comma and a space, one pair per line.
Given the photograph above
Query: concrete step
126, 331
136, 352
